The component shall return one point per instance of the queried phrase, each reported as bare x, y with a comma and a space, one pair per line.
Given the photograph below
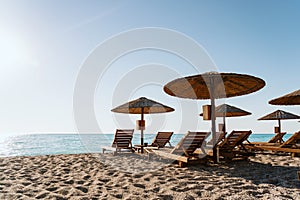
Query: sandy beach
130, 176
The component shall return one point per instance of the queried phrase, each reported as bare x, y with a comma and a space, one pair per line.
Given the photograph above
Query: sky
46, 45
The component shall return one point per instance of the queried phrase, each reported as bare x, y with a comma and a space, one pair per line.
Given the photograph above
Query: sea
51, 144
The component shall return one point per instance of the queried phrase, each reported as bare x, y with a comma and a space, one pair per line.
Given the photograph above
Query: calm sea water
48, 144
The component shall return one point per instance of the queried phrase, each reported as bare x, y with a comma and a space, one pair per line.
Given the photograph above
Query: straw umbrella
142, 106
292, 98
279, 115
213, 85
226, 110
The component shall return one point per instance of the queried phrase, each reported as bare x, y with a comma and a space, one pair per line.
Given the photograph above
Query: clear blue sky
43, 45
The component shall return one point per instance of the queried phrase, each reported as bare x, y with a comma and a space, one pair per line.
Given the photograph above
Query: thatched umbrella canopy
142, 106
147, 106
213, 85
288, 99
229, 111
226, 110
279, 115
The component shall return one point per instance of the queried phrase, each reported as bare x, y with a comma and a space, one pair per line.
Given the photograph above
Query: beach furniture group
191, 148
209, 85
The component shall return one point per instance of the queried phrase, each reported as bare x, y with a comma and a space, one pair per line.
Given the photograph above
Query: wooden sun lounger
292, 145
272, 148
233, 145
275, 140
122, 140
292, 142
220, 138
161, 139
183, 152
278, 138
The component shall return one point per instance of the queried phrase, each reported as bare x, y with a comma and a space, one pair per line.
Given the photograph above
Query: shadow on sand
255, 172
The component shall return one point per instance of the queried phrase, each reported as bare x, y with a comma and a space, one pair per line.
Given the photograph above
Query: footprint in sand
118, 196
80, 182
42, 195
69, 182
138, 175
155, 190
171, 179
104, 180
139, 185
64, 191
147, 179
82, 189
166, 197
52, 189
86, 177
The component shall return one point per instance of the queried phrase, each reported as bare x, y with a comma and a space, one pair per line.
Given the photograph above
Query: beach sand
130, 176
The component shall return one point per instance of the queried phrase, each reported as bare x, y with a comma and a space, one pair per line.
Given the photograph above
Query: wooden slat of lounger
288, 150
277, 138
184, 151
265, 144
161, 139
119, 137
293, 140
231, 142
233, 139
171, 156
164, 134
190, 142
220, 136
193, 142
123, 138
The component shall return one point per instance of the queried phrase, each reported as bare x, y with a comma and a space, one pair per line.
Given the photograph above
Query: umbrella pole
213, 129
224, 124
213, 120
142, 132
279, 126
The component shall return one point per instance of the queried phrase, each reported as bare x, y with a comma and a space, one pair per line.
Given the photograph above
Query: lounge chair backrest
161, 139
277, 138
190, 142
123, 138
220, 136
293, 140
235, 138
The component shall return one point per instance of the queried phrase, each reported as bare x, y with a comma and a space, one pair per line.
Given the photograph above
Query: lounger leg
218, 155
295, 155
181, 164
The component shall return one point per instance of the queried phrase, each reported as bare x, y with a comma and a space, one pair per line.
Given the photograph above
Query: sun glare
14, 52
